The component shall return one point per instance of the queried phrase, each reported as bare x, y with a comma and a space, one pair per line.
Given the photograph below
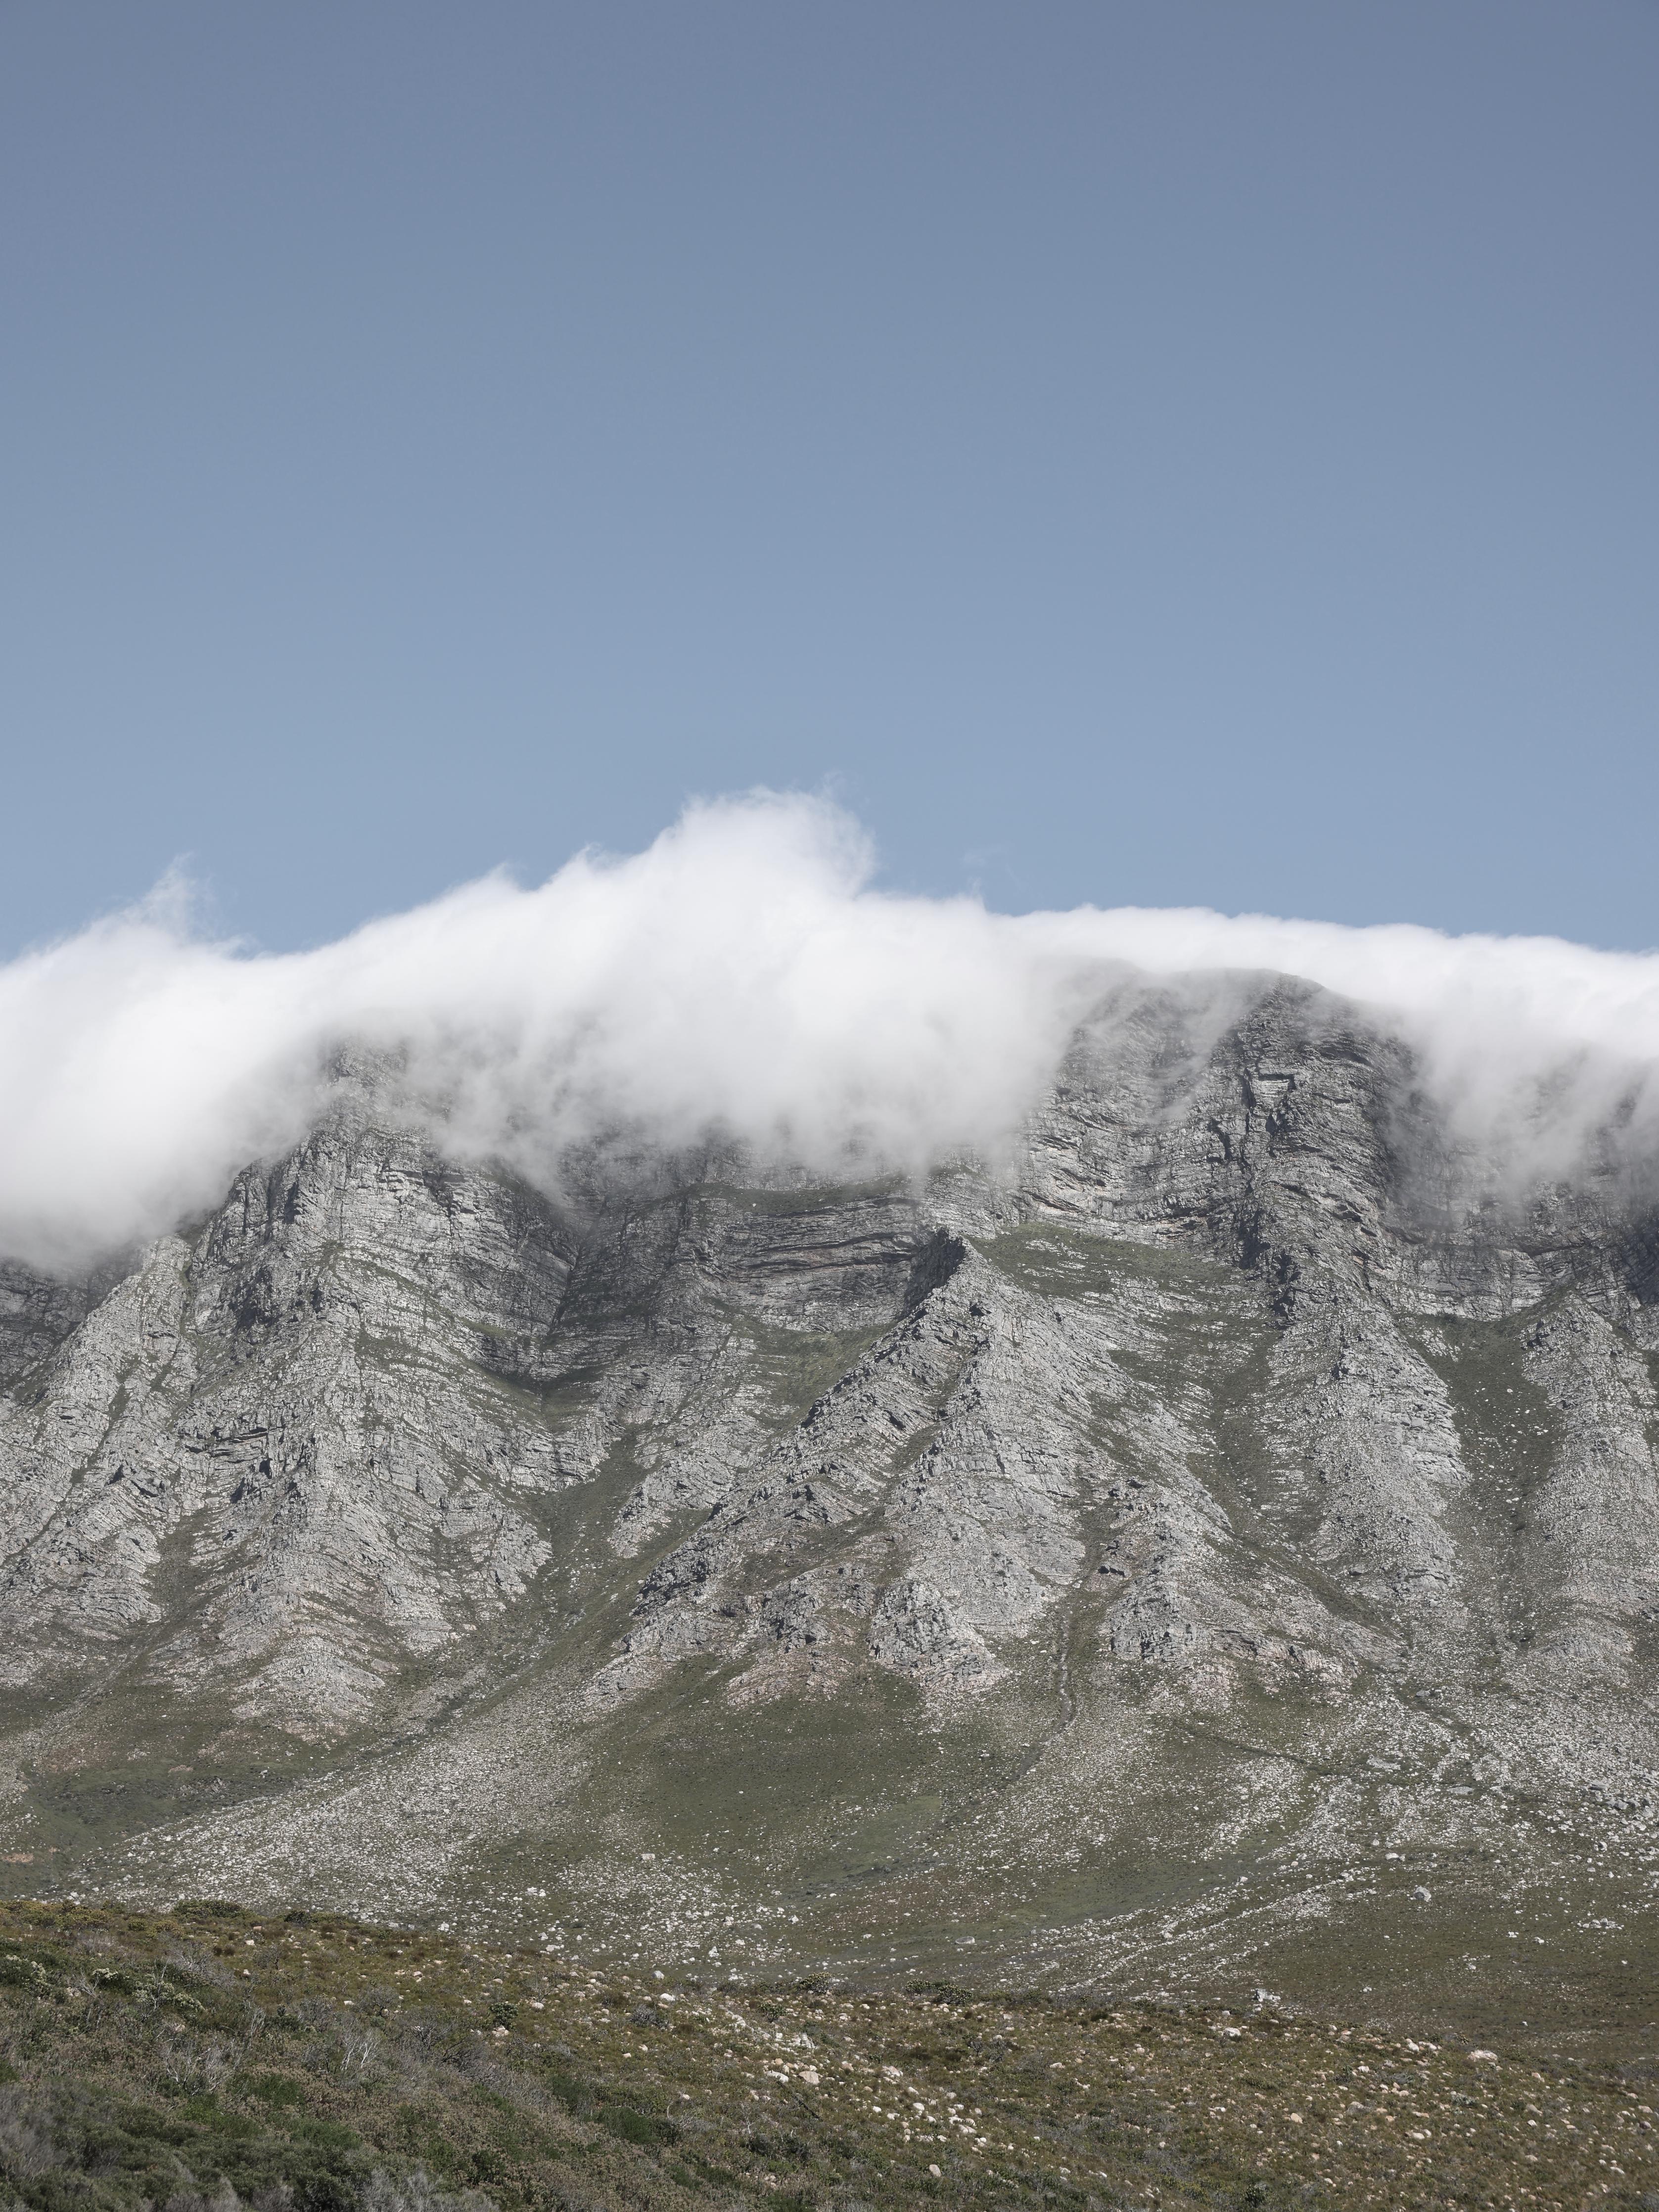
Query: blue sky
1162, 453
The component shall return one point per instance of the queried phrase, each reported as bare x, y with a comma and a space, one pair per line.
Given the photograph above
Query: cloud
741, 973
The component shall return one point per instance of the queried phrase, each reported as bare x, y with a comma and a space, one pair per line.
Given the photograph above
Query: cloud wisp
742, 975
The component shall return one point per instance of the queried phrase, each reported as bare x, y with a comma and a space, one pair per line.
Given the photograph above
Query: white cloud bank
741, 972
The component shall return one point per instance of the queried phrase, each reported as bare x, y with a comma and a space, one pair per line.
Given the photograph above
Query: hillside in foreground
204, 2056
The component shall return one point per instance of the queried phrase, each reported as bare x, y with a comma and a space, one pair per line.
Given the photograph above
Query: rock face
1093, 1566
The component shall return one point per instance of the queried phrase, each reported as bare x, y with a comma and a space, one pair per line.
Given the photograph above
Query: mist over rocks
742, 981
1112, 1544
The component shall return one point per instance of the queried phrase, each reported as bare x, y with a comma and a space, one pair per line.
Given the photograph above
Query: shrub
628, 2124
417, 2192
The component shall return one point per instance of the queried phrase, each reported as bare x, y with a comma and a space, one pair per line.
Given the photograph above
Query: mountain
1214, 1548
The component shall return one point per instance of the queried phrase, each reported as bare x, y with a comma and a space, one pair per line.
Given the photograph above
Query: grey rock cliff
1088, 1567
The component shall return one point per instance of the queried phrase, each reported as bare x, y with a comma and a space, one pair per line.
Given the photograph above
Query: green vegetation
313, 2062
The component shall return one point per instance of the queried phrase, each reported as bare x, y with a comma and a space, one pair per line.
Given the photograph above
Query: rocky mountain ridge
1129, 1559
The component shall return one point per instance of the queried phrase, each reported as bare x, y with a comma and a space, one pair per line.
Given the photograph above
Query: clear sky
1157, 453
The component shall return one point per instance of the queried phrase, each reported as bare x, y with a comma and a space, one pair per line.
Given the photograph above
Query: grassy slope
145, 2056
